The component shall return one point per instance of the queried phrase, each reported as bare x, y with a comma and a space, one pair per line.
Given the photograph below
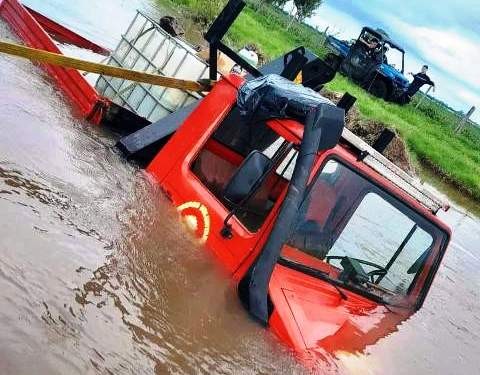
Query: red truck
329, 248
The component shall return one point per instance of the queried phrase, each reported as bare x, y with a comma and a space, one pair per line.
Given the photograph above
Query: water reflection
180, 310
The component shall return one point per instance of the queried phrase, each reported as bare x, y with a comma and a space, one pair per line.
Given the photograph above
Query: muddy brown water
98, 276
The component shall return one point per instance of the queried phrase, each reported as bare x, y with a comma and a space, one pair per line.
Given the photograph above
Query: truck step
144, 144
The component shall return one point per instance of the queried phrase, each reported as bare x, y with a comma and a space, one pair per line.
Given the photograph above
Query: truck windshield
344, 214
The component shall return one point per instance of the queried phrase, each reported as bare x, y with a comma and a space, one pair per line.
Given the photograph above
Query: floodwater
97, 275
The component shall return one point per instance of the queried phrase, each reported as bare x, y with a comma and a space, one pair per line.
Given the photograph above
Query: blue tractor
373, 61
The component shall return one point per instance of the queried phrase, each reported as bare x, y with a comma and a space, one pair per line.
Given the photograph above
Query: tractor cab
377, 63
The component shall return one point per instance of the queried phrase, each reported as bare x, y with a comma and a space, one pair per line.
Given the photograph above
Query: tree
277, 3
305, 8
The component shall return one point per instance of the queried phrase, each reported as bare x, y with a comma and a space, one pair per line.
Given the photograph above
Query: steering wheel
380, 271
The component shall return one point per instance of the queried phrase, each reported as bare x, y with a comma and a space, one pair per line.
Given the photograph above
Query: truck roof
412, 186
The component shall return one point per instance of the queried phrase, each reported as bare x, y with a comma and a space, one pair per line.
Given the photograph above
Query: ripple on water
96, 271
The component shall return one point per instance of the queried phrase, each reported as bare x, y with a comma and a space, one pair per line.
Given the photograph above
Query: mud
370, 130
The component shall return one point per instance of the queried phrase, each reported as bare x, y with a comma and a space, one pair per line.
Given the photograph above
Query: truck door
218, 161
217, 139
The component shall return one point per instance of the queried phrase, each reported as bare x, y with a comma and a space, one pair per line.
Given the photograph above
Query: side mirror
332, 121
247, 177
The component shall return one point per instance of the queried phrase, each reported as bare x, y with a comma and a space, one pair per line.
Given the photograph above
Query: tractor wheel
379, 89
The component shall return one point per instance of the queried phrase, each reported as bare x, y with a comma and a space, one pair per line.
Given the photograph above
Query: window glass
344, 214
374, 233
222, 155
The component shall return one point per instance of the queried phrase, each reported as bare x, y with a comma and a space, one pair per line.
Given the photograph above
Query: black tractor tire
379, 89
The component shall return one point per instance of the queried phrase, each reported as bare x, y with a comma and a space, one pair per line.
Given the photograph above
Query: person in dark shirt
419, 80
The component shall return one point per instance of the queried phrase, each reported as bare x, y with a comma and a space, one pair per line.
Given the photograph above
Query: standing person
419, 80
372, 46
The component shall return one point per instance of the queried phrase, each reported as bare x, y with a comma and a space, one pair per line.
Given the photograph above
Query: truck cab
329, 249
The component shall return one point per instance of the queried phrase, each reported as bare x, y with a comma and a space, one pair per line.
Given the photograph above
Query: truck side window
223, 153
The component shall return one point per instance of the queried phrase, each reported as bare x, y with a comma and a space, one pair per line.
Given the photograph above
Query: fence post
325, 37
425, 94
463, 120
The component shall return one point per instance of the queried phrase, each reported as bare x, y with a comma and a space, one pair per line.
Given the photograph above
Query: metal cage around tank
146, 47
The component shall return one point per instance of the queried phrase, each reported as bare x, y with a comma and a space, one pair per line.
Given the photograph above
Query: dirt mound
396, 151
369, 130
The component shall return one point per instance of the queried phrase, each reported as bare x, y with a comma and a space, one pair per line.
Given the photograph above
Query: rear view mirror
247, 177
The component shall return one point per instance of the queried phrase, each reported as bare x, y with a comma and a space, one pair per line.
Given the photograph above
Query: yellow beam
92, 67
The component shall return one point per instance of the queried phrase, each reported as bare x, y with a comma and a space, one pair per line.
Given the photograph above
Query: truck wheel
379, 89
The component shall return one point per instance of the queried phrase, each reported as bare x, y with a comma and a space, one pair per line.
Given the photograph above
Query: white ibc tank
147, 47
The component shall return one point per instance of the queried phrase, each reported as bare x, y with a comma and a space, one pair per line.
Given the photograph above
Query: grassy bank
428, 131
430, 140
269, 28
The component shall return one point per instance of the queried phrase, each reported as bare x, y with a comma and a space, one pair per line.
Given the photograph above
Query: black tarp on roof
273, 96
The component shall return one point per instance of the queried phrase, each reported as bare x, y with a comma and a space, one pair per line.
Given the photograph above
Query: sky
443, 34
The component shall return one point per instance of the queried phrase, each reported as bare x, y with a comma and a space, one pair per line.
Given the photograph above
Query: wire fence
439, 111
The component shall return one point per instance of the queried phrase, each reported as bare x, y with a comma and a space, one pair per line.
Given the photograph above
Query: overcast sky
443, 34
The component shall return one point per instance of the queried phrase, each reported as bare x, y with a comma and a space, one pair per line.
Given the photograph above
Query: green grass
430, 140
267, 27
273, 32
428, 131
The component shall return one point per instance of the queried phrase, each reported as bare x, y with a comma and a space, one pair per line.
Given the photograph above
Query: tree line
302, 8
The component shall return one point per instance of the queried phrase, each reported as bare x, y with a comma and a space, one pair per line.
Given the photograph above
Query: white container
147, 47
